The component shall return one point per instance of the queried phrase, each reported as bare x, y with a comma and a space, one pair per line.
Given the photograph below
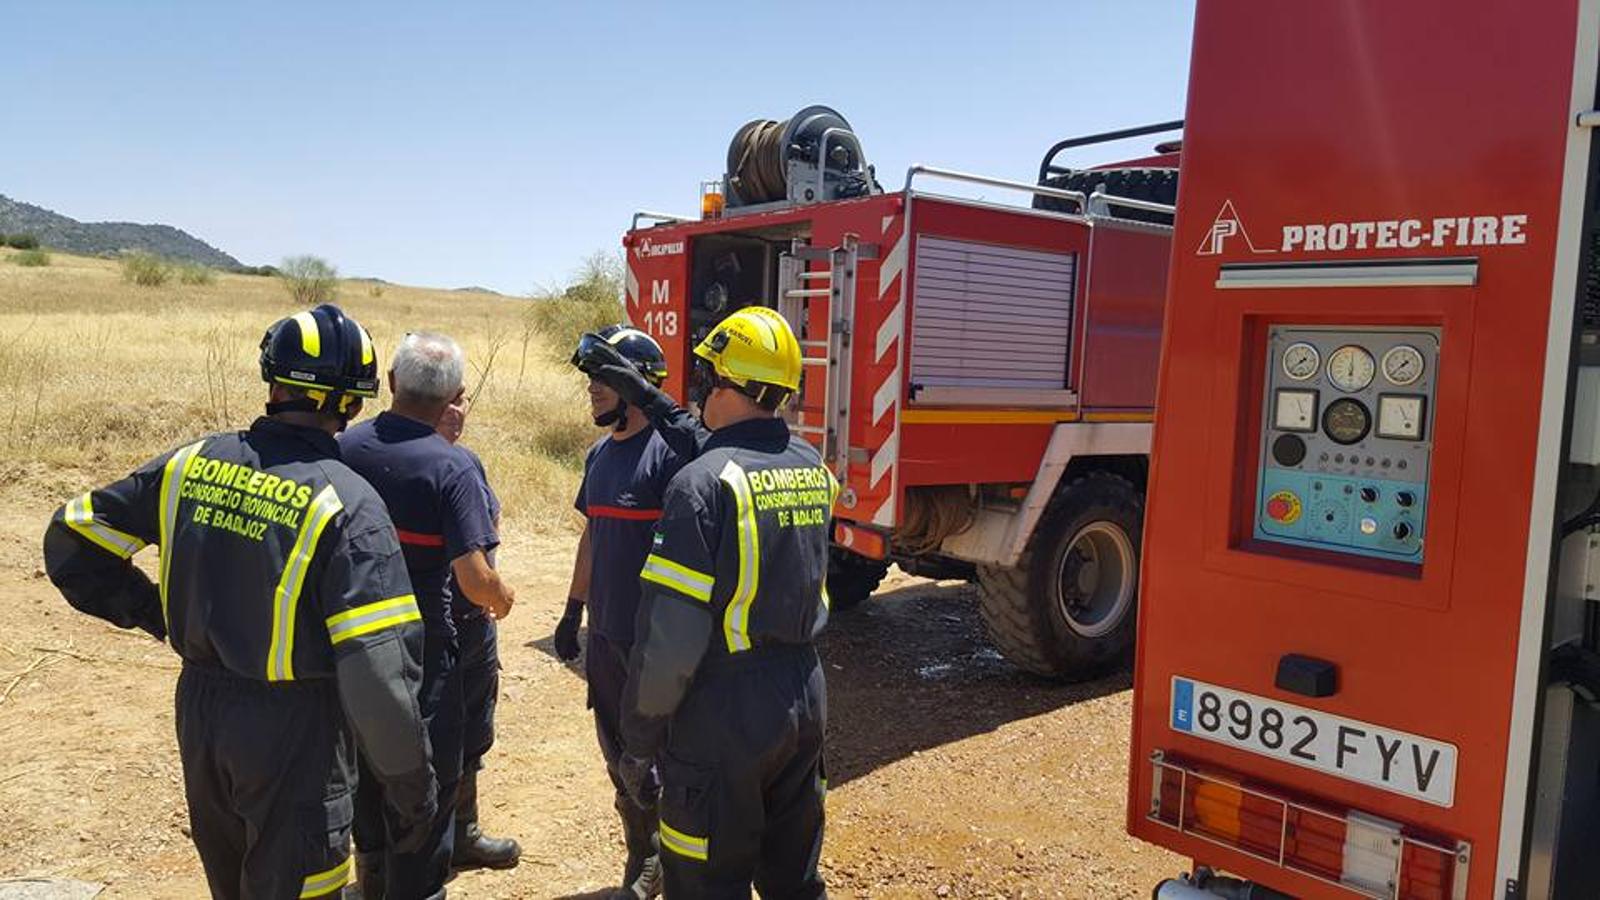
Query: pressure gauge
1301, 361
1402, 365
1351, 368
1346, 420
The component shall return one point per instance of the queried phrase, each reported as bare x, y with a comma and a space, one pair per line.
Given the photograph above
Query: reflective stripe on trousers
324, 883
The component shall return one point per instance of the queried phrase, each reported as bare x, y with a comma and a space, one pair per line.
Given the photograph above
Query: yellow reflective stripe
366, 346
373, 617
833, 486
736, 620
827, 602
80, 518
684, 844
286, 599
355, 612
326, 882
678, 577
376, 625
172, 475
310, 337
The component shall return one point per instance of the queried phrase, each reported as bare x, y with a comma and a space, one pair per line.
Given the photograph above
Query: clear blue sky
454, 144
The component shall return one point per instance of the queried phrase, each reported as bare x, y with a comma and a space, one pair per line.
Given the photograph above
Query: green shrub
267, 271
22, 241
310, 280
560, 321
592, 301
599, 279
194, 273
146, 270
31, 258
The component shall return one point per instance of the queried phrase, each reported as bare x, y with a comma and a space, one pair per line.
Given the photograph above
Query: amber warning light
711, 200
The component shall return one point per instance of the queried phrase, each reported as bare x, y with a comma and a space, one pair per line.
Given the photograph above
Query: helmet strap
298, 404
616, 417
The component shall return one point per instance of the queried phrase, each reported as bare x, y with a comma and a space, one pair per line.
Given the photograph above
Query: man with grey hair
440, 509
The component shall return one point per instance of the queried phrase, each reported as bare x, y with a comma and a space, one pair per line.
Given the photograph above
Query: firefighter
441, 512
480, 688
281, 587
725, 697
625, 477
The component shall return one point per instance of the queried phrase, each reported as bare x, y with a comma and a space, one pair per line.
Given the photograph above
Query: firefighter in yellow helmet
725, 698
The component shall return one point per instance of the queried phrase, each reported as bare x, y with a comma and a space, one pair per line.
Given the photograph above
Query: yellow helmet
754, 344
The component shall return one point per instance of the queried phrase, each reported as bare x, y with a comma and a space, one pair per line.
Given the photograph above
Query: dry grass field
951, 774
97, 375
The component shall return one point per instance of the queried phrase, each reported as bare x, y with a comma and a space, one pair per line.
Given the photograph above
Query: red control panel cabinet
1361, 403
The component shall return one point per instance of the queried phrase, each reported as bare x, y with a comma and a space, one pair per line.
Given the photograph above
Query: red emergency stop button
1284, 507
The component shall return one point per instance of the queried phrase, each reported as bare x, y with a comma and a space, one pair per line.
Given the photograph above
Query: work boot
473, 849
641, 878
370, 875
641, 882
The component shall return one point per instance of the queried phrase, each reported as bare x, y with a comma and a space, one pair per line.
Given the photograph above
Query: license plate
1373, 755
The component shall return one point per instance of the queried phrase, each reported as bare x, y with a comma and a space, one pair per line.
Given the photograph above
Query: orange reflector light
1216, 809
1363, 853
868, 542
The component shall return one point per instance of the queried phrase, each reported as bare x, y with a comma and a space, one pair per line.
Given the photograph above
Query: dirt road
951, 774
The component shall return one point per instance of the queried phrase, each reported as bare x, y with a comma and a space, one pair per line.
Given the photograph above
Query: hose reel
810, 157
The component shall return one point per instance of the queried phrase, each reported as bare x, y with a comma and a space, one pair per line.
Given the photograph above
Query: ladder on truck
824, 420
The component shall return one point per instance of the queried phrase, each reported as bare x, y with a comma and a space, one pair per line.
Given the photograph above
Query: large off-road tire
1067, 611
1155, 185
852, 578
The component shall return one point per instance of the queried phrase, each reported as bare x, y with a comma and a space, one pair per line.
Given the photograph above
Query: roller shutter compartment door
988, 317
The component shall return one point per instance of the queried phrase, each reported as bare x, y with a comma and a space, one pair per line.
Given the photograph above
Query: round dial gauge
1351, 368
1329, 518
1347, 421
1402, 365
1301, 361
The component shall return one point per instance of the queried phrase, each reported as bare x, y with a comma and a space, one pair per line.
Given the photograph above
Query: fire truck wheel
1067, 610
852, 578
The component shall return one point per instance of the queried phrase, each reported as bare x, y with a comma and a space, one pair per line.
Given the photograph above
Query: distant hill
100, 238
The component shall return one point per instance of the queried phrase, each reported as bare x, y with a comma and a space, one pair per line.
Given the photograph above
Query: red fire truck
979, 375
1367, 642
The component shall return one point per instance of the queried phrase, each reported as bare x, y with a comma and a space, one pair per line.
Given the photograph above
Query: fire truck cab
1367, 656
979, 375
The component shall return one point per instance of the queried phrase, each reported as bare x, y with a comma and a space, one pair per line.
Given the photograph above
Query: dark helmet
323, 352
635, 346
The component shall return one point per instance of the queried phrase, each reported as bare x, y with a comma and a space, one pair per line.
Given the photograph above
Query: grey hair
429, 367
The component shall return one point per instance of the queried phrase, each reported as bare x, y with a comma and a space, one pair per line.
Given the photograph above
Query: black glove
605, 364
413, 806
566, 638
639, 780
628, 383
